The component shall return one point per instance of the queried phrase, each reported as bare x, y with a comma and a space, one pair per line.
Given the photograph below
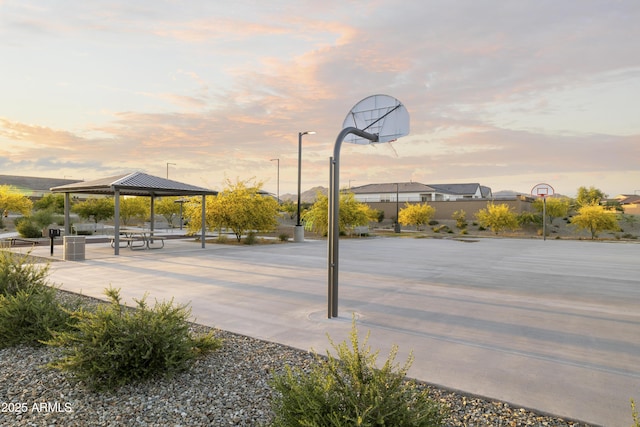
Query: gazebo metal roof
134, 184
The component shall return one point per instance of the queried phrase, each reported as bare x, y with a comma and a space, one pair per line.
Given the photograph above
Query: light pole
168, 168
298, 231
397, 226
278, 179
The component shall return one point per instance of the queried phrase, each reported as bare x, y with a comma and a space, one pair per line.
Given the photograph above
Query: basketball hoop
542, 190
377, 118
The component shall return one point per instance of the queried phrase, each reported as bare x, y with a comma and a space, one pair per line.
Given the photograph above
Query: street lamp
278, 179
168, 168
298, 231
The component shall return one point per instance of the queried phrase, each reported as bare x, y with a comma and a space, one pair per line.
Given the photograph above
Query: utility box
73, 248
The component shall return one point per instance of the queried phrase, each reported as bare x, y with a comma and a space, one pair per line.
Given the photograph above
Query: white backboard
380, 115
542, 190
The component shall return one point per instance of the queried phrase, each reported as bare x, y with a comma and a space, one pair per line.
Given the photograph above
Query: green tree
417, 214
11, 200
556, 207
134, 207
169, 208
497, 217
51, 202
240, 207
96, 209
461, 219
595, 218
589, 196
351, 214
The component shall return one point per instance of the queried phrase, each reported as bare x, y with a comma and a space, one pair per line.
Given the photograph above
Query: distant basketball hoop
375, 119
543, 190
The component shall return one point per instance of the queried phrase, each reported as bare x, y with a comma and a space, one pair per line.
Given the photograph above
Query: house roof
469, 188
402, 187
627, 199
134, 184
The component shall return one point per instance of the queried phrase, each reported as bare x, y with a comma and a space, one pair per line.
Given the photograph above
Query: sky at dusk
507, 94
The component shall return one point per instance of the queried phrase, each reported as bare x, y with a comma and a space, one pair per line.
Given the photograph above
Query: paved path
552, 326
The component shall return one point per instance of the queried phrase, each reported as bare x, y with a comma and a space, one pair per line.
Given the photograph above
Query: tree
590, 196
595, 218
240, 207
51, 202
98, 209
416, 214
11, 200
351, 214
497, 217
556, 207
461, 219
169, 208
134, 207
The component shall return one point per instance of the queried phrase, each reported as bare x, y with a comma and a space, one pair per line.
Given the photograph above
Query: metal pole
334, 220
544, 218
299, 175
277, 179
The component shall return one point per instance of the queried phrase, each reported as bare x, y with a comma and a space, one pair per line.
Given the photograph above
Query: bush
348, 390
634, 414
29, 317
28, 229
251, 238
461, 219
284, 237
19, 273
114, 346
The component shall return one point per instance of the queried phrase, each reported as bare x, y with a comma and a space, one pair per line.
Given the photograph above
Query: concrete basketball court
547, 325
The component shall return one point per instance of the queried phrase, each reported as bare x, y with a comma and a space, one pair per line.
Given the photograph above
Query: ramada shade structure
131, 184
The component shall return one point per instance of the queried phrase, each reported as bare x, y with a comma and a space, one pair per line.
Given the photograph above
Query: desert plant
461, 219
28, 229
634, 414
284, 237
19, 273
29, 317
348, 390
114, 345
251, 238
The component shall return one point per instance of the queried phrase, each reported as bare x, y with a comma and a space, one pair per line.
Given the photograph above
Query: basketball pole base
298, 234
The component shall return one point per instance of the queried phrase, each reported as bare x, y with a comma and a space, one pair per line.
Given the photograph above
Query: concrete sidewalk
552, 326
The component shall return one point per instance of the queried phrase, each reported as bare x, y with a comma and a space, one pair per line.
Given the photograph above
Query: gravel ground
226, 388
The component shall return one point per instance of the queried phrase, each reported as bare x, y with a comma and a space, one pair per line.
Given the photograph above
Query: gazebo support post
116, 222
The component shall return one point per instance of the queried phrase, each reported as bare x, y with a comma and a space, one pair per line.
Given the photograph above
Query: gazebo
132, 184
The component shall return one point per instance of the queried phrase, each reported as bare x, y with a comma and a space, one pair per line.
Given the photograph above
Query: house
630, 203
417, 192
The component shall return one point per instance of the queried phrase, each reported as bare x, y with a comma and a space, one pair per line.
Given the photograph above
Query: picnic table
136, 239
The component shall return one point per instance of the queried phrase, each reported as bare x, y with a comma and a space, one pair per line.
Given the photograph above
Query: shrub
114, 345
348, 390
18, 273
222, 238
284, 237
433, 222
251, 238
29, 317
28, 229
634, 414
461, 219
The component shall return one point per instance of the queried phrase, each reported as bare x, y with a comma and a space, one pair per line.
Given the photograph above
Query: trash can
73, 248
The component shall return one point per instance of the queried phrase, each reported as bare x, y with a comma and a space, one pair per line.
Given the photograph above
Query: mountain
308, 196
